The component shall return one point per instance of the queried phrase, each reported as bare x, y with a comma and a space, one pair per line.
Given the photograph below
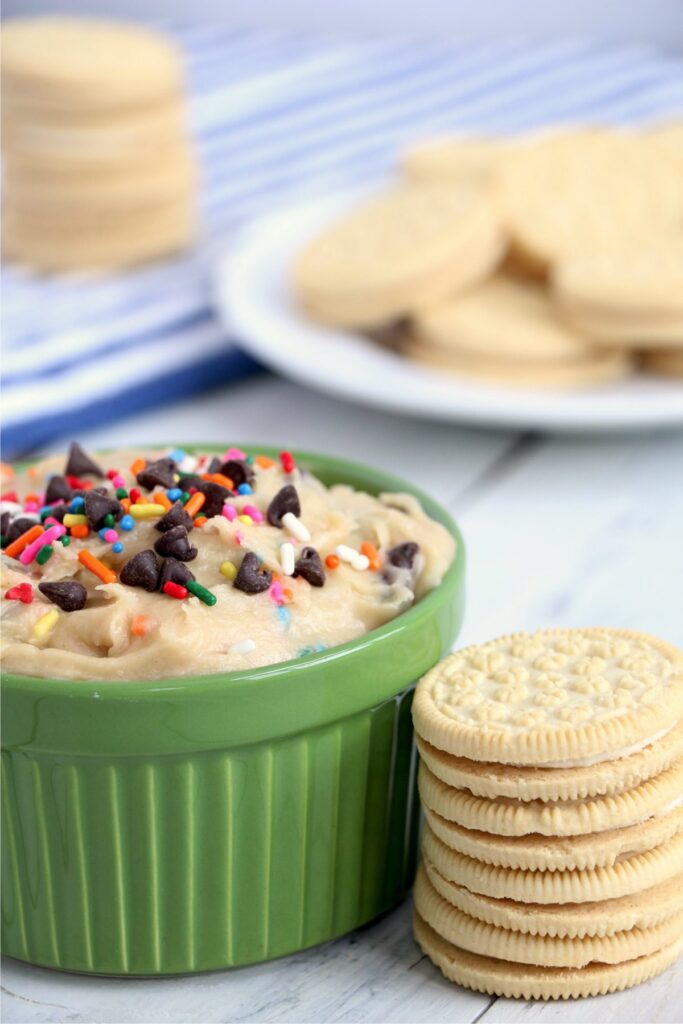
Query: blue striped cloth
279, 117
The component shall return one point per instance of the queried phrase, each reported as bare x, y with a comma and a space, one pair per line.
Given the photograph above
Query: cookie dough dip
160, 564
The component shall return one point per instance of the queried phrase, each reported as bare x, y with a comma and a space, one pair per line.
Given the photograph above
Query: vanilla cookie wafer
504, 318
62, 197
646, 280
641, 909
150, 235
542, 853
594, 778
496, 977
56, 146
396, 252
579, 192
504, 816
627, 333
629, 875
593, 369
552, 698
72, 63
544, 951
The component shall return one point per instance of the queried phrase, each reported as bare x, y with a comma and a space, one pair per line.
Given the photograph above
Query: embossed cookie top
551, 696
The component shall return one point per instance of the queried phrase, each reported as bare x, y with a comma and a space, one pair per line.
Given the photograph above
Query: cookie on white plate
593, 369
631, 295
503, 318
399, 251
577, 192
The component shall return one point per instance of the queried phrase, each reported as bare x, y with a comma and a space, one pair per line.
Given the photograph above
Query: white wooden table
565, 531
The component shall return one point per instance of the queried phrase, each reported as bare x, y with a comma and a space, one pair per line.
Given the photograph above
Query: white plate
256, 305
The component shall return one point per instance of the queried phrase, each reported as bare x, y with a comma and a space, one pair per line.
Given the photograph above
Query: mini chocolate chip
175, 543
216, 496
80, 464
286, 500
176, 516
142, 570
403, 555
98, 507
158, 474
173, 571
57, 489
310, 566
250, 578
188, 480
18, 526
215, 465
239, 471
5, 520
59, 511
69, 595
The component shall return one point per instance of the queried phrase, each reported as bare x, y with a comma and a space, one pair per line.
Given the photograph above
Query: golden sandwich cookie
505, 944
552, 698
397, 252
527, 981
536, 852
593, 778
603, 917
629, 875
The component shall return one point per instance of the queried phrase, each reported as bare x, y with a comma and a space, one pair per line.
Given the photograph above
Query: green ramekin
189, 824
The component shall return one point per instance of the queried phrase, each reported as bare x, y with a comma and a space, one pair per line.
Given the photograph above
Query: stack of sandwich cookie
551, 778
98, 168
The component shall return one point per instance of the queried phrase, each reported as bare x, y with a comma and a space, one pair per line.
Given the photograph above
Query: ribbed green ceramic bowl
190, 824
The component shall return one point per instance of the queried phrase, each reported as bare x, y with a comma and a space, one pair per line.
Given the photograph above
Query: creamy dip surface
263, 565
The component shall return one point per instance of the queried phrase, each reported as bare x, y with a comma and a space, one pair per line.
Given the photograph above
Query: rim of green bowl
331, 469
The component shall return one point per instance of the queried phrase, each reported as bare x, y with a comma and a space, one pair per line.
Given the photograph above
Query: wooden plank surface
559, 531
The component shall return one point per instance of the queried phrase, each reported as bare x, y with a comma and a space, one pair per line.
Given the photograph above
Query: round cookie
577, 192
505, 817
86, 64
595, 778
453, 159
551, 698
397, 252
496, 977
629, 282
664, 361
633, 292
629, 875
539, 853
593, 370
50, 146
627, 332
69, 194
502, 319
637, 910
100, 244
543, 951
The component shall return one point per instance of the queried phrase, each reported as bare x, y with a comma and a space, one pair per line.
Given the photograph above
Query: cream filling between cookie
612, 755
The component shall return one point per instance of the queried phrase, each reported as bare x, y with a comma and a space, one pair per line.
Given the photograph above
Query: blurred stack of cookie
98, 166
551, 778
584, 282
